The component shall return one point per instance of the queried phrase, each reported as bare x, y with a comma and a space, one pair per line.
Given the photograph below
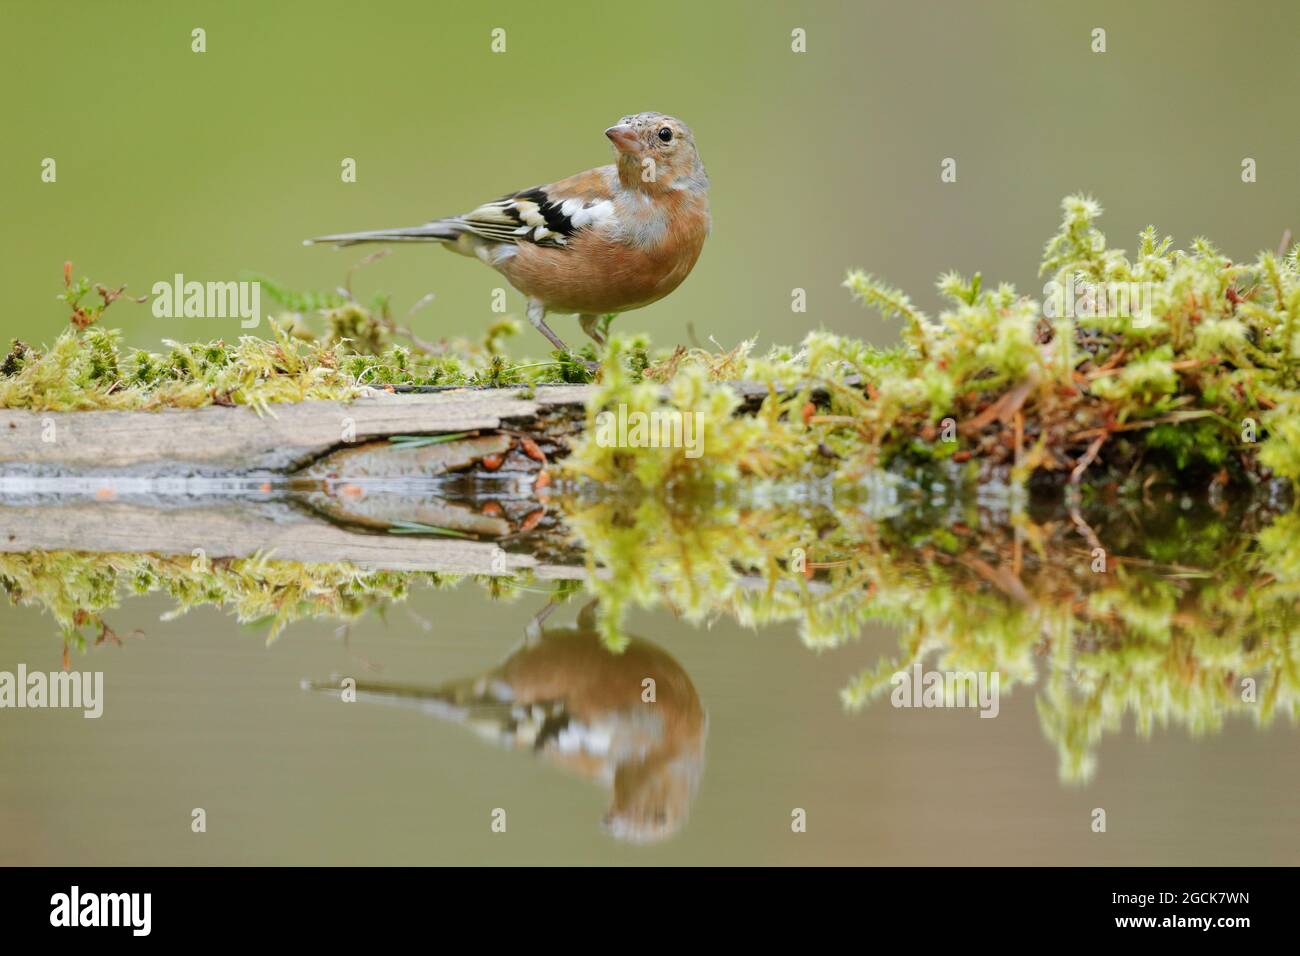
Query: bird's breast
631, 260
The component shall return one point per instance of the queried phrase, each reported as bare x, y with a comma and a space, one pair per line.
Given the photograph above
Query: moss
1190, 444
1191, 603
77, 589
322, 346
815, 500
1182, 353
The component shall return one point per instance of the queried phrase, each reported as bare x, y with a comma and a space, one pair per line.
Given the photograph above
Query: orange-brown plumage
607, 240
630, 721
598, 273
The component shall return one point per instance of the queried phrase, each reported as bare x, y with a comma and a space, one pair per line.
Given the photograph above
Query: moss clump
322, 346
1171, 361
88, 369
77, 588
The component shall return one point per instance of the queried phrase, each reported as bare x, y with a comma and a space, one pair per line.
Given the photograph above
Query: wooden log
241, 529
233, 440
279, 531
225, 440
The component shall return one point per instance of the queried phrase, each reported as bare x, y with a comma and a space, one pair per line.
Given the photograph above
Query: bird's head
657, 152
652, 799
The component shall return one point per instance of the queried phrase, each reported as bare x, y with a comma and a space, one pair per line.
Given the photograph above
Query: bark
236, 440
243, 529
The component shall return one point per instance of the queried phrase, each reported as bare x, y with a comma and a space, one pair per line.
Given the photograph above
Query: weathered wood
218, 439
278, 531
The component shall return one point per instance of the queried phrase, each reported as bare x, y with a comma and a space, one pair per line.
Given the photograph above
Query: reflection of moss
76, 588
1167, 632
1192, 601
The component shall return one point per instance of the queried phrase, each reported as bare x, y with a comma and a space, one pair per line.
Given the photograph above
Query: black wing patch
532, 216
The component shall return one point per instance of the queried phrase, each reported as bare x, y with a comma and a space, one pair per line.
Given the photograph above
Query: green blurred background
218, 164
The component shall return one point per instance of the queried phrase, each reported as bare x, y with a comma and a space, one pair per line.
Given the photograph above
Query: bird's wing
546, 215
485, 704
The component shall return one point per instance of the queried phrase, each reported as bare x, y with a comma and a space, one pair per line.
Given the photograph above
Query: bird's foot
595, 326
574, 362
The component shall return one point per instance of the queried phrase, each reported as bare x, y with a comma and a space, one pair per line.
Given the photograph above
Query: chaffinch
607, 240
565, 695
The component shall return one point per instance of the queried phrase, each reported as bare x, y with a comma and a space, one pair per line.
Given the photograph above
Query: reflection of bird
565, 695
610, 239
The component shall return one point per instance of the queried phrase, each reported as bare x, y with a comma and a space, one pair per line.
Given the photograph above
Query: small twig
414, 339
420, 303
1084, 528
1006, 582
1004, 409
1017, 553
373, 257
1088, 458
1172, 418
1019, 421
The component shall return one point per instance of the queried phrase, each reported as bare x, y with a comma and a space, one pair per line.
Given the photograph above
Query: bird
564, 695
604, 241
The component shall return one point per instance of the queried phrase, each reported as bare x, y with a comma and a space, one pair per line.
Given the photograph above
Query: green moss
801, 509
1190, 443
1179, 352
1182, 353
1189, 605
77, 589
322, 346
1192, 600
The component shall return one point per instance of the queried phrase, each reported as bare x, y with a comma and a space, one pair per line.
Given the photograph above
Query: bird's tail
441, 230
454, 700
484, 704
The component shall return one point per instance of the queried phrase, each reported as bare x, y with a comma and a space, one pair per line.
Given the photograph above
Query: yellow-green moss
998, 380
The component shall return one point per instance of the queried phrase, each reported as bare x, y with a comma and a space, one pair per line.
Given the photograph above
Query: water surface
201, 712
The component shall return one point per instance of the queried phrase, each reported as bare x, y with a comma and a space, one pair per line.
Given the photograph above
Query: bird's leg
533, 630
537, 316
589, 325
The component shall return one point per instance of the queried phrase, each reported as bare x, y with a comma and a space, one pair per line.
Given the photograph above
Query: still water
481, 734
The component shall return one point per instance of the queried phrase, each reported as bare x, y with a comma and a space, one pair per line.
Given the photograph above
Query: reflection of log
233, 439
241, 529
282, 532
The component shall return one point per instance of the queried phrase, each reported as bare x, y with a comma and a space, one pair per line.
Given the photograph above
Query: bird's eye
665, 134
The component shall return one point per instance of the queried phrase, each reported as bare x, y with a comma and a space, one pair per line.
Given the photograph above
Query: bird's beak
624, 138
